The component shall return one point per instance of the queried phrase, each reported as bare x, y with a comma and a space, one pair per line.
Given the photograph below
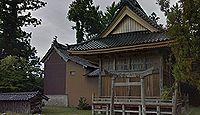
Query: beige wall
79, 85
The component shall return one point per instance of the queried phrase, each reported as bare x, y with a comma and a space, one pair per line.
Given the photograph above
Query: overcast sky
55, 23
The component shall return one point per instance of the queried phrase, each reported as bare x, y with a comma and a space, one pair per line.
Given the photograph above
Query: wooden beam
147, 72
121, 84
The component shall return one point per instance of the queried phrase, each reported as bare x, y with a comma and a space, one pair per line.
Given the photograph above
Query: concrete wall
79, 85
57, 100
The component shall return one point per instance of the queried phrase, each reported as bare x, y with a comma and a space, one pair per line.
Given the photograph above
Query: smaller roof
96, 73
21, 96
64, 54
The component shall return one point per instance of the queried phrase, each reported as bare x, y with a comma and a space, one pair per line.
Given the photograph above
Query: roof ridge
133, 3
135, 32
59, 45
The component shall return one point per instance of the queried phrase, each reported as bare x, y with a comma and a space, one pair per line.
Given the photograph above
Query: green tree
15, 14
183, 26
109, 14
84, 14
16, 74
89, 20
14, 41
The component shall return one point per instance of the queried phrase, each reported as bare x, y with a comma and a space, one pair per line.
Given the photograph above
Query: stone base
57, 100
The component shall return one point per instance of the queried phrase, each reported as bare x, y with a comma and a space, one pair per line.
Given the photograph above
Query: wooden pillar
100, 78
129, 87
161, 74
112, 97
114, 63
143, 96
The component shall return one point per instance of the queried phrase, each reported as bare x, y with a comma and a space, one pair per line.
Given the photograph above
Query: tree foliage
109, 14
16, 74
89, 20
183, 26
14, 41
15, 14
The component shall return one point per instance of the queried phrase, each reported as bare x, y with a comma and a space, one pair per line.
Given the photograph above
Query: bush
83, 105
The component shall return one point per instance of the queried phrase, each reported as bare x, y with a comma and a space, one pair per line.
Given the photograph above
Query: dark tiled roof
65, 55
23, 96
119, 40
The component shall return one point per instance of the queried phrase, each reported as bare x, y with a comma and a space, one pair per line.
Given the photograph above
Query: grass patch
194, 111
58, 111
64, 111
74, 111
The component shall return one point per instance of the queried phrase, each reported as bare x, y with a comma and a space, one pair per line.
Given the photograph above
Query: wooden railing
129, 104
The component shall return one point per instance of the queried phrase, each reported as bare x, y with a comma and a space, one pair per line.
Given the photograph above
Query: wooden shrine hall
124, 70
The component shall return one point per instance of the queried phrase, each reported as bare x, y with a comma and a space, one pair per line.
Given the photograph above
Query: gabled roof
132, 9
22, 96
64, 54
120, 40
135, 6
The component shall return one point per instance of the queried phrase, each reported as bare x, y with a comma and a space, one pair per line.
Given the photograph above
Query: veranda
128, 105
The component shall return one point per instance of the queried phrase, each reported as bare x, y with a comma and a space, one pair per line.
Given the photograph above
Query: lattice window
138, 63
108, 64
122, 64
152, 61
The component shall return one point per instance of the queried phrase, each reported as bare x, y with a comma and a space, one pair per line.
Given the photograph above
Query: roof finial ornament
55, 39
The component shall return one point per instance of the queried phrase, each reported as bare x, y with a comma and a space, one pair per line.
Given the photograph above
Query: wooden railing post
123, 109
93, 95
107, 109
140, 111
158, 108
